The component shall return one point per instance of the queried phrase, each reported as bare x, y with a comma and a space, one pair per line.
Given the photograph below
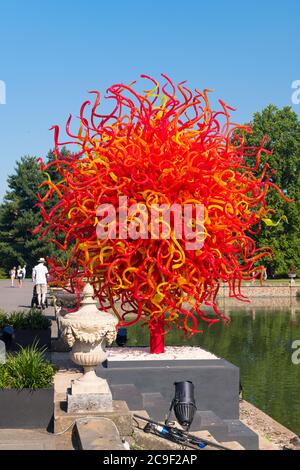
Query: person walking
13, 273
24, 271
20, 276
39, 277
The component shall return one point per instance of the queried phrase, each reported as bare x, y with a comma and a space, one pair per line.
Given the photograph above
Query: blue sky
53, 52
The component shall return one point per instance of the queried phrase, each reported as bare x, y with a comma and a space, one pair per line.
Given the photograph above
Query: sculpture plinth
88, 331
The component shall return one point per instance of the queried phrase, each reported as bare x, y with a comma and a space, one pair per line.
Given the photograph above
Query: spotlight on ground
183, 404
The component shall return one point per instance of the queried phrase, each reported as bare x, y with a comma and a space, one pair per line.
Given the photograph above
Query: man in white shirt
39, 277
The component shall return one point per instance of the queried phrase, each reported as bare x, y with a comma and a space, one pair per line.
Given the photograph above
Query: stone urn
87, 332
292, 275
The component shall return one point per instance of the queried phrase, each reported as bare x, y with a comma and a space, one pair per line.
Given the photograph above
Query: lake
259, 341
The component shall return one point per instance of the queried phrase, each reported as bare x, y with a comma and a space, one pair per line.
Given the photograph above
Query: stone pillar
2, 352
87, 331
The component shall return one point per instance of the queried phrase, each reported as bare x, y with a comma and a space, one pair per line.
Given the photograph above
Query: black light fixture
8, 335
184, 404
121, 338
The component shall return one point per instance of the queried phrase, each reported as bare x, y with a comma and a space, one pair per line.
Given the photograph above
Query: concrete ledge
98, 434
26, 408
238, 431
120, 416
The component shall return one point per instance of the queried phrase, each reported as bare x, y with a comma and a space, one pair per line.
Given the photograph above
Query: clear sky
53, 52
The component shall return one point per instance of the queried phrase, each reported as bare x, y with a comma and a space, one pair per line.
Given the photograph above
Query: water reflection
259, 341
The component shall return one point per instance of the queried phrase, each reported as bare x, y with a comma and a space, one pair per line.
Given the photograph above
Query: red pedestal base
157, 338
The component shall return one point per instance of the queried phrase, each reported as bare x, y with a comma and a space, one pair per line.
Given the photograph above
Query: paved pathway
15, 298
12, 299
34, 439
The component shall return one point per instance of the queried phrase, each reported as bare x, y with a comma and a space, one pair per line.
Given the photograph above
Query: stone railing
267, 295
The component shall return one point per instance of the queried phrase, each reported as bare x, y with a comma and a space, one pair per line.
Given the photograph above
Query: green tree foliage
19, 216
282, 127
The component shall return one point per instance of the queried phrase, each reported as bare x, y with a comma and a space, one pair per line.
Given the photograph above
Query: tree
282, 127
19, 215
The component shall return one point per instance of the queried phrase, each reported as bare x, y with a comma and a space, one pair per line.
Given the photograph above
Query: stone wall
267, 295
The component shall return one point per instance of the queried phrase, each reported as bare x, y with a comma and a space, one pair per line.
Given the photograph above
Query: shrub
4, 377
25, 320
3, 274
3, 319
27, 369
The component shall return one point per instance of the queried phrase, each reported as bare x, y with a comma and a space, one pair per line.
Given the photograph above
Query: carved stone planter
292, 275
88, 331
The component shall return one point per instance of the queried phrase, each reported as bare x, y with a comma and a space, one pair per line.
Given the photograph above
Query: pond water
259, 342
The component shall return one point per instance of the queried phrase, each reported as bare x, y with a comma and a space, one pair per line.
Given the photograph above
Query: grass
25, 320
27, 369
